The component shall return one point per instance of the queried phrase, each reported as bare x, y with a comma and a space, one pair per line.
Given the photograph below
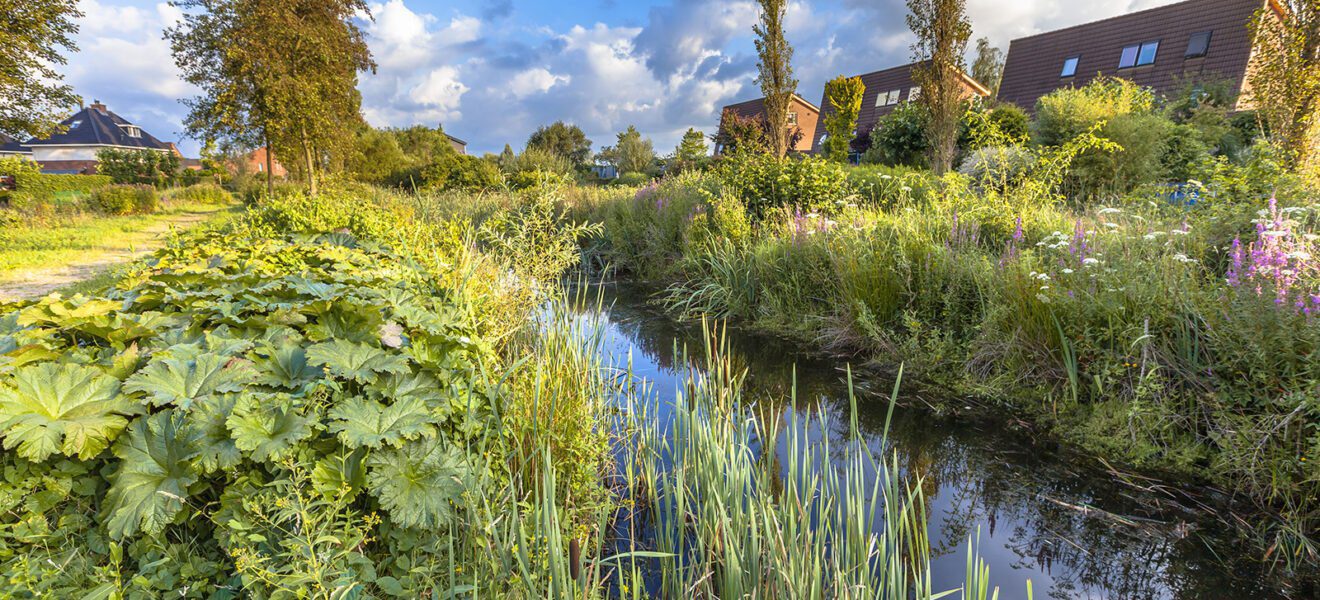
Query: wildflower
905, 188
1110, 211
1043, 298
1090, 261
1067, 271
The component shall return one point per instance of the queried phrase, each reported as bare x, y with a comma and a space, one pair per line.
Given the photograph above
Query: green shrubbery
125, 200
202, 193
764, 182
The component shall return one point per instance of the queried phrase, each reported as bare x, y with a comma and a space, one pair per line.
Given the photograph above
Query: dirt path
40, 282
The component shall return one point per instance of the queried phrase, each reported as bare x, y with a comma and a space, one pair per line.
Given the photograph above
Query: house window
1198, 45
792, 118
1070, 66
75, 124
132, 131
1138, 55
914, 93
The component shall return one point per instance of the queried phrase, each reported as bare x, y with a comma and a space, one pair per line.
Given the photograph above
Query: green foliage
40, 186
942, 30
202, 193
151, 485
988, 68
564, 140
456, 171
899, 138
1066, 113
774, 75
68, 409
997, 126
741, 134
125, 200
692, 152
419, 483
632, 153
844, 100
138, 167
764, 182
33, 44
632, 179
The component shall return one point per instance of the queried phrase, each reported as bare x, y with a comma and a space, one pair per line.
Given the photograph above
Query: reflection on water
1074, 531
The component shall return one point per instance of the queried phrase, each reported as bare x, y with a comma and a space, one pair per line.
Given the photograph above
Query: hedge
46, 186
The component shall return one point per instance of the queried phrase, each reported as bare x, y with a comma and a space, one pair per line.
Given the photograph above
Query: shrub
455, 171
632, 179
147, 167
125, 200
1000, 125
998, 168
764, 182
1067, 113
1143, 138
202, 193
899, 138
887, 187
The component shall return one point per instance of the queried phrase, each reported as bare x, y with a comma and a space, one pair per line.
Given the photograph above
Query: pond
1063, 520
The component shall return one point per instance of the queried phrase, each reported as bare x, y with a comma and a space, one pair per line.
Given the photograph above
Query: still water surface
1042, 513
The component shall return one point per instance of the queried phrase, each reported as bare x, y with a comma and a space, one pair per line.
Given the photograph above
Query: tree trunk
270, 175
311, 166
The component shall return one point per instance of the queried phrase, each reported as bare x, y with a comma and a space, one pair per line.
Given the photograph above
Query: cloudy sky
491, 71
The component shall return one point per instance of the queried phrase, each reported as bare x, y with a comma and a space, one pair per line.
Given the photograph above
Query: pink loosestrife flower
1281, 262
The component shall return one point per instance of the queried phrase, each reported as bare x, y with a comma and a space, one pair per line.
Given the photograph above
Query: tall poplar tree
843, 96
280, 74
776, 72
988, 68
33, 100
942, 31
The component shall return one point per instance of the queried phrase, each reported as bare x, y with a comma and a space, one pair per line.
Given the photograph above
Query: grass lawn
70, 250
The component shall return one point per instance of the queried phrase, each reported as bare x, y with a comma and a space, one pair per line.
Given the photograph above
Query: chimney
97, 106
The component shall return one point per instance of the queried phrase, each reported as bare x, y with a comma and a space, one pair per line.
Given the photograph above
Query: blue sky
491, 71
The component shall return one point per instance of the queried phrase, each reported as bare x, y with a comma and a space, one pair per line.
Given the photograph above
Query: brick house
801, 114
1164, 48
86, 133
885, 91
255, 162
458, 145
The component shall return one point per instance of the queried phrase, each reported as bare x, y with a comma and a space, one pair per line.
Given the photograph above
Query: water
1042, 513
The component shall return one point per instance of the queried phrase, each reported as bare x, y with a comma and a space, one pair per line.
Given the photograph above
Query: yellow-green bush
125, 200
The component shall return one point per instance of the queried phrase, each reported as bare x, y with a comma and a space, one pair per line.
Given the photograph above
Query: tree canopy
568, 141
632, 154
775, 73
33, 100
843, 97
942, 31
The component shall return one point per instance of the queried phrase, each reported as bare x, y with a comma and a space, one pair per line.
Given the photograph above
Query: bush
764, 182
455, 171
147, 167
1067, 113
1143, 138
998, 168
44, 186
202, 193
632, 179
900, 137
125, 200
998, 126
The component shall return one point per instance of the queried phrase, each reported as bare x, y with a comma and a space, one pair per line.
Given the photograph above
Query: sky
492, 71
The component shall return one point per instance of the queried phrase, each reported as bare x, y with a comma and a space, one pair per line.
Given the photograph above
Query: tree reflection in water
1040, 513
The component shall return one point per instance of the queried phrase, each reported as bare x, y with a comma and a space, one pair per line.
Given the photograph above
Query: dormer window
132, 131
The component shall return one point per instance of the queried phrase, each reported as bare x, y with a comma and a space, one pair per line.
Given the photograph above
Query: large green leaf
180, 382
72, 409
361, 422
267, 426
210, 417
360, 362
150, 486
286, 367
420, 483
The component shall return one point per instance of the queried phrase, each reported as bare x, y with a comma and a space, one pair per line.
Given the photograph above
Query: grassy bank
1168, 336
355, 397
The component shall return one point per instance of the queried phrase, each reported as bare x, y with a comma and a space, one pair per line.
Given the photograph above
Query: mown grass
29, 245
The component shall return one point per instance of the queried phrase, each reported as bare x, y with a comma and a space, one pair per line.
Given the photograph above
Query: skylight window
75, 123
1070, 66
1198, 45
1138, 55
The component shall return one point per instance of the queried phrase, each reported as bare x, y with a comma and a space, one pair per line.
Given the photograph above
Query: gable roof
1034, 63
97, 126
9, 145
895, 79
756, 107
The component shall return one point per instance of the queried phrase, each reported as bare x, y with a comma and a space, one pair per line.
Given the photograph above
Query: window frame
1076, 61
1139, 50
1205, 49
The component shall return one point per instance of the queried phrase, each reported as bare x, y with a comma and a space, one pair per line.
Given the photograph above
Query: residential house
86, 133
255, 162
10, 147
460, 146
802, 115
1165, 48
885, 91
185, 163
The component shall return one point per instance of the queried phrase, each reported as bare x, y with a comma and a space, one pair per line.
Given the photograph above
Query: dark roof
456, 140
9, 146
97, 126
756, 108
897, 79
1035, 63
